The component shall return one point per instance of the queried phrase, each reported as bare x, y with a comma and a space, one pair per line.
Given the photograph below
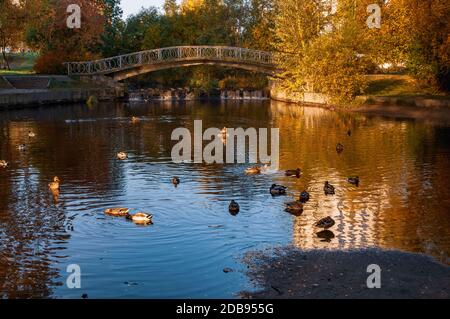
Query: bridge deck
207, 54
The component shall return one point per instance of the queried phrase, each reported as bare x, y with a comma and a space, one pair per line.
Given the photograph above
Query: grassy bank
387, 85
20, 63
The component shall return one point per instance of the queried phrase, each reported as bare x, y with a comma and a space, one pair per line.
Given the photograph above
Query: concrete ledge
25, 98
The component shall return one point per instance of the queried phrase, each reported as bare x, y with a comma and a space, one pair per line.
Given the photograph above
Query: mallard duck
122, 156
140, 218
304, 197
325, 235
277, 190
3, 163
234, 208
117, 212
354, 180
294, 208
31, 134
22, 147
325, 223
223, 133
253, 170
54, 186
175, 181
339, 148
293, 173
329, 189
135, 120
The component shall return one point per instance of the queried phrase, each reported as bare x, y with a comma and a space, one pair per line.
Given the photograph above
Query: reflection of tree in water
32, 233
34, 230
401, 201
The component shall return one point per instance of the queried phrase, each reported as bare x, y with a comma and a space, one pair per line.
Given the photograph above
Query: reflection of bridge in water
126, 66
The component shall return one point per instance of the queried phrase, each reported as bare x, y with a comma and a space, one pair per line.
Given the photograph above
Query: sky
134, 6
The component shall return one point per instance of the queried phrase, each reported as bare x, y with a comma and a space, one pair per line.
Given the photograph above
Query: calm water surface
403, 201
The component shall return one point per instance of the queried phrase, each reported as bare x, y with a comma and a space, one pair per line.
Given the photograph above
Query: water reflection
402, 201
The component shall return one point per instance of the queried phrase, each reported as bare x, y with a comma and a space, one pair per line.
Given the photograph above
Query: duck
293, 173
22, 147
354, 180
175, 180
234, 208
117, 212
339, 148
294, 208
223, 132
31, 134
277, 190
140, 218
135, 120
253, 170
329, 189
304, 197
326, 235
122, 156
3, 163
54, 186
325, 223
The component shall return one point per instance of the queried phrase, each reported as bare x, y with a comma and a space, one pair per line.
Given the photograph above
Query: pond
402, 202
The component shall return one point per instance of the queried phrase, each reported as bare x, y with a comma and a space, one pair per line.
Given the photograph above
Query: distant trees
327, 46
12, 19
48, 33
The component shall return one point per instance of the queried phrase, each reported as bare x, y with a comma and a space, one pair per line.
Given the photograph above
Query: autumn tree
57, 43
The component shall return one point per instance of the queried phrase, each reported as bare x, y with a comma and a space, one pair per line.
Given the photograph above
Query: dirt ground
322, 274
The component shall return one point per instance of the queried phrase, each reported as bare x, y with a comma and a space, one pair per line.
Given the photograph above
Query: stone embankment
186, 94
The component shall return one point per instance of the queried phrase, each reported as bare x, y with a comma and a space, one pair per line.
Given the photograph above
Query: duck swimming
294, 208
22, 147
135, 120
54, 186
176, 181
304, 197
325, 223
140, 218
3, 164
329, 189
293, 173
31, 134
326, 235
117, 212
253, 170
339, 148
234, 208
354, 180
223, 133
277, 190
122, 156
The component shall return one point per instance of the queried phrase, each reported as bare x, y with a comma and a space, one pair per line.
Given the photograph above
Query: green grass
20, 63
397, 86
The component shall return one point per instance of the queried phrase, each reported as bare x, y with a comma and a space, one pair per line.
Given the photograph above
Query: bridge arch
130, 65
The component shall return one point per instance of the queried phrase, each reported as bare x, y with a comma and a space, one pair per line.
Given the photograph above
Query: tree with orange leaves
49, 33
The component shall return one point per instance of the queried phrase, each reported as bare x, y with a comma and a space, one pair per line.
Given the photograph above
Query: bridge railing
172, 54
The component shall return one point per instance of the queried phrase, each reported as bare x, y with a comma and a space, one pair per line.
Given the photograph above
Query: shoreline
430, 109
289, 273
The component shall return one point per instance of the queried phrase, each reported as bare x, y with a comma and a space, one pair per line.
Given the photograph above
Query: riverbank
18, 91
295, 274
